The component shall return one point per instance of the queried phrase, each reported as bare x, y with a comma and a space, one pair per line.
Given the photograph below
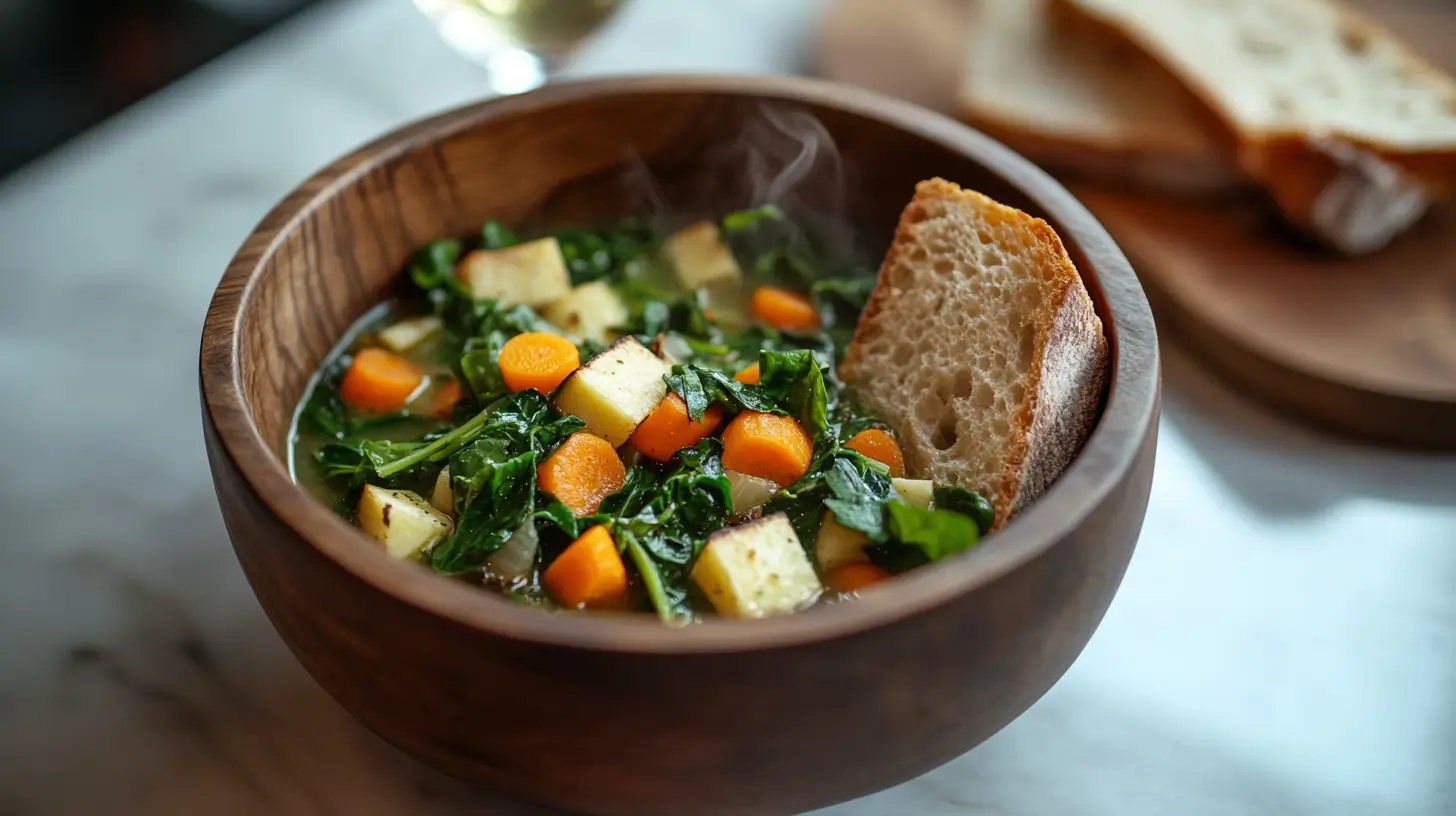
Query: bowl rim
1128, 417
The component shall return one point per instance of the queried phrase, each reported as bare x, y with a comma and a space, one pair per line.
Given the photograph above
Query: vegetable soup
614, 419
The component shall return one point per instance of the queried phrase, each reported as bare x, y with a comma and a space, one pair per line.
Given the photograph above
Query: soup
618, 419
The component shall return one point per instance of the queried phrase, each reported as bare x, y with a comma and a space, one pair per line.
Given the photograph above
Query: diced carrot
538, 360
854, 577
446, 396
380, 381
582, 472
668, 430
748, 376
881, 447
783, 309
767, 446
589, 573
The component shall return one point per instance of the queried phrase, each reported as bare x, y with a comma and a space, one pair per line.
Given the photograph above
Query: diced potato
699, 256
533, 273
443, 496
403, 522
756, 569
589, 312
406, 334
917, 492
615, 390
837, 545
748, 492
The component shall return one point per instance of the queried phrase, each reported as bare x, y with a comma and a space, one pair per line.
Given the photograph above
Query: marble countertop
1284, 641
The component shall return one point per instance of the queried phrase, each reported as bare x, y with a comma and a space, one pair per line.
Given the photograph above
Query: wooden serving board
1364, 346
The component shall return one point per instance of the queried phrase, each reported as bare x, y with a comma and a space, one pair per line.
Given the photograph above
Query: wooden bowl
615, 713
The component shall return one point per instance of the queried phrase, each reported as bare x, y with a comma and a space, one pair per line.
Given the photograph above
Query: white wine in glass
519, 42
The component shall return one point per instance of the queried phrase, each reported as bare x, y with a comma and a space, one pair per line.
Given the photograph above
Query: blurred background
65, 65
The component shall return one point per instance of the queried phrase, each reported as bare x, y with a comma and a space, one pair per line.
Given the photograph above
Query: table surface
1284, 641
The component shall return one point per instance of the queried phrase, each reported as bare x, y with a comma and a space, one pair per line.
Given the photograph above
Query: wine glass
520, 43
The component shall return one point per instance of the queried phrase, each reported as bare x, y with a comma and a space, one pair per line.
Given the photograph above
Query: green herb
700, 386
495, 235
936, 533
961, 500
743, 220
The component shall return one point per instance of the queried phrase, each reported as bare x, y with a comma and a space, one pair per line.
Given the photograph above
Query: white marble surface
1284, 642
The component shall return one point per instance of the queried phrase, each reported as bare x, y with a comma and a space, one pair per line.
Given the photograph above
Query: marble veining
1284, 642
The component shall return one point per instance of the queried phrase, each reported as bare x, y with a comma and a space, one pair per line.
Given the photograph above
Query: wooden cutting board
1363, 346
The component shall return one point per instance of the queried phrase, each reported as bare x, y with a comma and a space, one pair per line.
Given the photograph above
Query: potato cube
917, 492
406, 334
748, 492
699, 256
591, 311
403, 522
615, 390
837, 545
533, 273
756, 569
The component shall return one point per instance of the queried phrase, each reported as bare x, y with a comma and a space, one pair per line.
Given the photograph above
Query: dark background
67, 64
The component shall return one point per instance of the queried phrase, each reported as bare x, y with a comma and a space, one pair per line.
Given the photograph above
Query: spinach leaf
795, 381
700, 386
632, 497
500, 505
662, 525
493, 476
495, 235
860, 492
552, 512
596, 254
743, 220
479, 367
433, 270
936, 533
360, 460
961, 500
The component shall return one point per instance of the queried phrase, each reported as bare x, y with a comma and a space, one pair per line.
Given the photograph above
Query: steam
782, 155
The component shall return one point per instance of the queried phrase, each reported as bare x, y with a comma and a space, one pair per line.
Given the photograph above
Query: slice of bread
1076, 101
1349, 131
979, 347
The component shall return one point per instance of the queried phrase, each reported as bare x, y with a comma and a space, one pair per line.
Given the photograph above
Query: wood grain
1363, 346
616, 714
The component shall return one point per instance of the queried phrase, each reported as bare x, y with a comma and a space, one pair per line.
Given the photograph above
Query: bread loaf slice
1080, 102
979, 347
1349, 131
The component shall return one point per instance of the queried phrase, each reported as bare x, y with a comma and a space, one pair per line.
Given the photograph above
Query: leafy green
596, 254
961, 500
856, 484
503, 493
936, 533
493, 477
794, 380
495, 235
700, 386
743, 220
663, 525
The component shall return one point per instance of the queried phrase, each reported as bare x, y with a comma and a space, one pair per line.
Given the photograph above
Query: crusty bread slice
1076, 101
979, 347
1349, 131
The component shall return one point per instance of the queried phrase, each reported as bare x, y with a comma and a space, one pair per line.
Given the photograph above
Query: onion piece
516, 559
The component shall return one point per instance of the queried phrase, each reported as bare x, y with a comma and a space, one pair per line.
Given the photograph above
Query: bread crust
1354, 206
1066, 372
